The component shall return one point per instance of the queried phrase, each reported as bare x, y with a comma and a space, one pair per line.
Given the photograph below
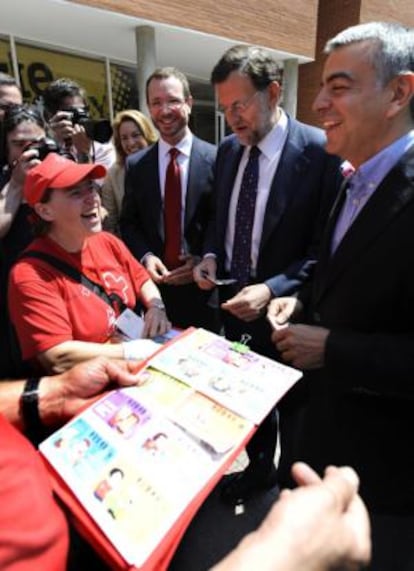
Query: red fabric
56, 171
172, 212
161, 557
48, 308
33, 531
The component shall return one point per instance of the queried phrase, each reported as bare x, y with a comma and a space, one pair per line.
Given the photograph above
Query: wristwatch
158, 304
29, 407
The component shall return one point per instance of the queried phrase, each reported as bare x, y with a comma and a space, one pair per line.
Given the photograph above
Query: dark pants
189, 306
392, 542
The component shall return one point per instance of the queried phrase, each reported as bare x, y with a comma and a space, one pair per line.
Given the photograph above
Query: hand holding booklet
141, 460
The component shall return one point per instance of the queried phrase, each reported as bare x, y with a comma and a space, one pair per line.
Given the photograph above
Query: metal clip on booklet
135, 466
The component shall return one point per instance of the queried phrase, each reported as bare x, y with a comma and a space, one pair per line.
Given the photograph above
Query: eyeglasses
238, 106
173, 105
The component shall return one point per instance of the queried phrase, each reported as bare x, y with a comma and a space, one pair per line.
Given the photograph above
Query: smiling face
170, 109
356, 111
250, 113
73, 214
131, 137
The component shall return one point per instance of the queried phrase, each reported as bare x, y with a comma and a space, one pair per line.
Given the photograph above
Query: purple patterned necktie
246, 204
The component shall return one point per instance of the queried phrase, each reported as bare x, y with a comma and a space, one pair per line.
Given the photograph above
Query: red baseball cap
57, 172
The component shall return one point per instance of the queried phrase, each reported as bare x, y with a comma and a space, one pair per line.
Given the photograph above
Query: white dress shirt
183, 160
271, 147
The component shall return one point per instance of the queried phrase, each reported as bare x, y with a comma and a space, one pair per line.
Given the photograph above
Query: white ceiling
62, 24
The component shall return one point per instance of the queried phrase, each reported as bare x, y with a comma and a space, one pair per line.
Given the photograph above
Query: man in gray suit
277, 220
166, 235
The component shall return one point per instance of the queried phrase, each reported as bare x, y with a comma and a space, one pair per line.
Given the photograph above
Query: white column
146, 60
290, 86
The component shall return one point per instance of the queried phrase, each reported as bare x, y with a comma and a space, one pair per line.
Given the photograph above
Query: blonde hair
143, 123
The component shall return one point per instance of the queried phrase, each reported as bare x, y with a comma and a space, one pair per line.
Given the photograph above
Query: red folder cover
161, 557
221, 391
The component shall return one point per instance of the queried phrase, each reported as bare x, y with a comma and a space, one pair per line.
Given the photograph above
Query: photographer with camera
10, 93
79, 137
23, 146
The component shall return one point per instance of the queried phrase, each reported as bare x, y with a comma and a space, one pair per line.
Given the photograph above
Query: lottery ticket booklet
134, 467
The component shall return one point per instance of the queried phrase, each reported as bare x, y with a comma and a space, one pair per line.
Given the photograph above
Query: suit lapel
154, 207
391, 197
324, 257
193, 186
287, 178
225, 185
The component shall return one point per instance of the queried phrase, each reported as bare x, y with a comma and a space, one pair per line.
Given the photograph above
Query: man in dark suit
294, 189
355, 403
164, 223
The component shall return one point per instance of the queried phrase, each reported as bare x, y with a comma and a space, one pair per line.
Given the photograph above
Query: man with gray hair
355, 339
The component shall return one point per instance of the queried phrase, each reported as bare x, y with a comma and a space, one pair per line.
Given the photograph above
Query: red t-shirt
33, 531
48, 308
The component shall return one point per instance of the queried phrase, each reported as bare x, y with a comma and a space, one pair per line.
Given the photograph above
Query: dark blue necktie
246, 204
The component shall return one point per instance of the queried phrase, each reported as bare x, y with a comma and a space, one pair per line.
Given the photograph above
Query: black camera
43, 147
97, 130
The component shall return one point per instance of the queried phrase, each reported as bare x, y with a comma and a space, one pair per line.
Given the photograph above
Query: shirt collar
373, 171
274, 140
184, 146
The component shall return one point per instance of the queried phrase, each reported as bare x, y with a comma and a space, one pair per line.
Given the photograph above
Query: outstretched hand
205, 273
249, 303
79, 386
324, 520
320, 526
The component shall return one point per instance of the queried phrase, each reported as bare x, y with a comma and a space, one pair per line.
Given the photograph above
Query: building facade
111, 46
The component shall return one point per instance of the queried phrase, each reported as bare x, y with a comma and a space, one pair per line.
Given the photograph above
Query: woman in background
132, 131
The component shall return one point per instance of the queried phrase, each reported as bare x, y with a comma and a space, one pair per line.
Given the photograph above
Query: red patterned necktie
246, 205
172, 213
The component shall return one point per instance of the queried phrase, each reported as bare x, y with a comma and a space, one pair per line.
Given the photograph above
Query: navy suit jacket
358, 409
301, 195
141, 222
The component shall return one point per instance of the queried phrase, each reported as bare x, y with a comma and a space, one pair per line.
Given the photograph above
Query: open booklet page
138, 456
241, 380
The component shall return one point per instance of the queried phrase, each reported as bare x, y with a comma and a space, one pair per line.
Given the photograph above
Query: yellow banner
38, 67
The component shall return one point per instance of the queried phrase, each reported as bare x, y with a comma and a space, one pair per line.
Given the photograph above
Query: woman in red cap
75, 284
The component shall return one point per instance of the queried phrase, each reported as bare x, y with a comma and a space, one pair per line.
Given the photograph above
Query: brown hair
256, 63
40, 227
165, 73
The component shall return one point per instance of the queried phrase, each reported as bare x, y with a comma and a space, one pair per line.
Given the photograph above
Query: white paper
130, 324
